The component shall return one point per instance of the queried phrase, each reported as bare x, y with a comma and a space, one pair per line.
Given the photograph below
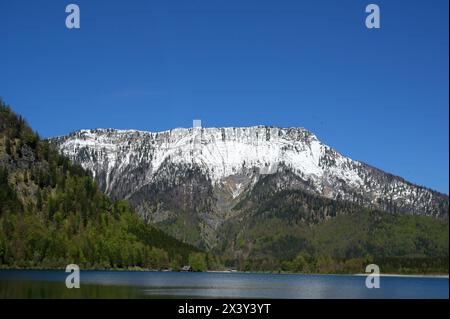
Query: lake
147, 284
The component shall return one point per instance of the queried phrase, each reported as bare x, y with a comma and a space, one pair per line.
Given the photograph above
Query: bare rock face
190, 181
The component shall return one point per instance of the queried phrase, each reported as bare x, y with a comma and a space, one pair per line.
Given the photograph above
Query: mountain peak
241, 153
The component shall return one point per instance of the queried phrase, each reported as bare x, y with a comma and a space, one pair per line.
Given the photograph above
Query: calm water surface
129, 284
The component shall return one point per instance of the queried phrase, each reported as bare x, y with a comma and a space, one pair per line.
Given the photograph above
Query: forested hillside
300, 232
52, 213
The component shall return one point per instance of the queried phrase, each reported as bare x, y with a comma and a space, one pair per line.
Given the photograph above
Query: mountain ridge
196, 176
173, 136
100, 129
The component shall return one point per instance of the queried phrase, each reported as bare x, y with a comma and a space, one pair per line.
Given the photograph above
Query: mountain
52, 213
258, 198
194, 183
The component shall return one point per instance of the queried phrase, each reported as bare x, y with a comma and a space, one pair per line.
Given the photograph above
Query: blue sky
380, 96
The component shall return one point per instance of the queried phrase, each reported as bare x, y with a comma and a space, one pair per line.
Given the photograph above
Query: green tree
300, 263
197, 261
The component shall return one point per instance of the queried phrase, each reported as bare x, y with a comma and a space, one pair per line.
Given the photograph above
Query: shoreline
441, 276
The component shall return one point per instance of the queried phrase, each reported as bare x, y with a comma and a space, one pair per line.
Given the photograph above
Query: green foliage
278, 236
52, 213
8, 198
198, 261
300, 264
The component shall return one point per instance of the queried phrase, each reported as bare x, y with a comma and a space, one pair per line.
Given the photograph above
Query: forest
52, 213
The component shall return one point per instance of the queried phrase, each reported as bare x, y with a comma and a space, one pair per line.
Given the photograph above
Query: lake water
130, 284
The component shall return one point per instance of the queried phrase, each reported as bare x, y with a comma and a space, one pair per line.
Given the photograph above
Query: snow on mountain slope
123, 161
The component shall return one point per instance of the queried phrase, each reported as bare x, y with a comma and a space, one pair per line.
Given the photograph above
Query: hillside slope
52, 213
298, 231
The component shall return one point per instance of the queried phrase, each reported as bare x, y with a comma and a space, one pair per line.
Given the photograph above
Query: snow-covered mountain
209, 170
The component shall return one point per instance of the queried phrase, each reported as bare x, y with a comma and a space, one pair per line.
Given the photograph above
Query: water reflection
127, 284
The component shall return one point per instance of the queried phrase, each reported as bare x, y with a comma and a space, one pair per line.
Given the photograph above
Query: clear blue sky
380, 96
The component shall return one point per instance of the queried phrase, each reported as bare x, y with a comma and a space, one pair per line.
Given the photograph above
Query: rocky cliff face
189, 180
